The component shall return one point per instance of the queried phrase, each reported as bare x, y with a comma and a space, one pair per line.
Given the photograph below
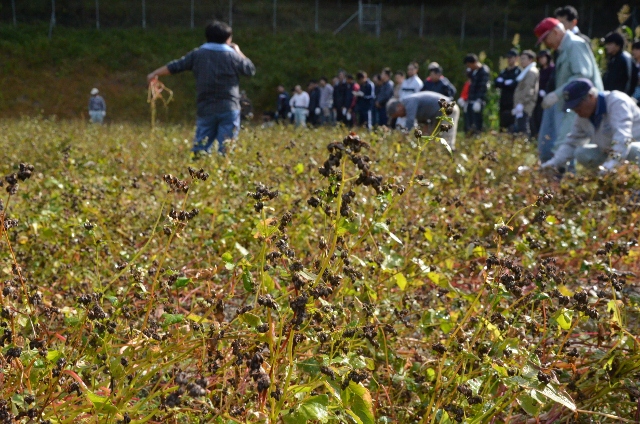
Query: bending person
422, 109
605, 130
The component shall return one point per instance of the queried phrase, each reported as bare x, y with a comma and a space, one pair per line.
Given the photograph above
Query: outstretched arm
160, 72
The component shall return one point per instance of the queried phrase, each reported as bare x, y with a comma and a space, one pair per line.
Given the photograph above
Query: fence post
317, 24
464, 18
53, 18
13, 12
506, 23
275, 11
230, 13
421, 31
97, 14
360, 14
378, 19
192, 14
144, 15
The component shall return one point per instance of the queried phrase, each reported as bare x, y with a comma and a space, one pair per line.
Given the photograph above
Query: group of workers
574, 117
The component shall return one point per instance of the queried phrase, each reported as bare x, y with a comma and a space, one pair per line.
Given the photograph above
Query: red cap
544, 28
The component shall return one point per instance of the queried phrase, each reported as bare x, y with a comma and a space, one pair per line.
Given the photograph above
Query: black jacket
622, 74
314, 100
340, 94
506, 82
283, 104
479, 84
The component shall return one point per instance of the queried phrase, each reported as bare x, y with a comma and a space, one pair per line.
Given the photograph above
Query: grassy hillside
54, 77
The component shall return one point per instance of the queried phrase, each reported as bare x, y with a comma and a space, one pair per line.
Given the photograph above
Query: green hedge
55, 76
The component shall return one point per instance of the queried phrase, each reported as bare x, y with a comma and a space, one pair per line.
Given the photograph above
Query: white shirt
411, 86
299, 100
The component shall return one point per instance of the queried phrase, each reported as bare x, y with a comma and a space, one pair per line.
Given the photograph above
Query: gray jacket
575, 60
385, 93
422, 107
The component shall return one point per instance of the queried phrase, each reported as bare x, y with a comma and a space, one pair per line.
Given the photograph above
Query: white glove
306, 112
607, 166
348, 115
318, 111
549, 100
477, 106
508, 82
542, 93
462, 103
499, 79
358, 93
344, 110
289, 115
518, 110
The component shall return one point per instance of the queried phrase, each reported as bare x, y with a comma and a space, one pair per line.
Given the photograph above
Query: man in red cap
575, 60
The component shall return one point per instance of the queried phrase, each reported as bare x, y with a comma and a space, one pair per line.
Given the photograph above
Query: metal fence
492, 19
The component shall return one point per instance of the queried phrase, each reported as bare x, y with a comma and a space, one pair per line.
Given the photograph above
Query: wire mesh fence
492, 19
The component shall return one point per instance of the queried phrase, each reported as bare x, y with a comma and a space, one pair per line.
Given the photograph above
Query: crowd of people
556, 96
535, 91
357, 101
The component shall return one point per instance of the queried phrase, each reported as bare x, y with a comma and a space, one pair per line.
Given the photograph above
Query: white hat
94, 91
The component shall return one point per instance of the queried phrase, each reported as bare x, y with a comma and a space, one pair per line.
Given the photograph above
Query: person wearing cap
605, 130
526, 93
621, 73
437, 82
478, 86
97, 107
217, 66
422, 109
507, 82
575, 60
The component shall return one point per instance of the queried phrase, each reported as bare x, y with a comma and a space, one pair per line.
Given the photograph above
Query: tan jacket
526, 92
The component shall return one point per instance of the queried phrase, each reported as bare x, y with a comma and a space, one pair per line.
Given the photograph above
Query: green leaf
561, 397
101, 403
299, 168
529, 404
401, 280
170, 319
251, 319
381, 226
446, 146
247, 281
182, 282
54, 355
112, 299
227, 257
314, 408
362, 403
564, 318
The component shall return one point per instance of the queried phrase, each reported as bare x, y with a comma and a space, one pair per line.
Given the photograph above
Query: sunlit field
311, 276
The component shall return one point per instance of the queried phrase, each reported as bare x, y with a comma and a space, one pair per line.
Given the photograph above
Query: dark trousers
506, 118
382, 116
473, 120
522, 125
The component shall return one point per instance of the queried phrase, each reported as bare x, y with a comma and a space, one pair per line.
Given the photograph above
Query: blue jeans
551, 119
220, 127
